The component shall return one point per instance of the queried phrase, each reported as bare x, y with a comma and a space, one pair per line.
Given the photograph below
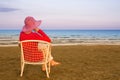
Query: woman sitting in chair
31, 31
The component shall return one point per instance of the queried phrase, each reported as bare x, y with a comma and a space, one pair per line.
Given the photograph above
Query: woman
31, 31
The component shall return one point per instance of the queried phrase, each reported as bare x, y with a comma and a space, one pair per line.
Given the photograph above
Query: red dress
35, 55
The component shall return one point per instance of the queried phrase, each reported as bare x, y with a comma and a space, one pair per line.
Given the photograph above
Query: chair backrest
30, 51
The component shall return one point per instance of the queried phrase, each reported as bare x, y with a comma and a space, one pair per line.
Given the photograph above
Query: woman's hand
36, 29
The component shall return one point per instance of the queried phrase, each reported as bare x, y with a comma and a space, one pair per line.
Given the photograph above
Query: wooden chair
31, 53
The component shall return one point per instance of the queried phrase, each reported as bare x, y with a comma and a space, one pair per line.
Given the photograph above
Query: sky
61, 14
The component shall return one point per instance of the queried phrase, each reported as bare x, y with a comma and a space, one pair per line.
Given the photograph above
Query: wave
67, 36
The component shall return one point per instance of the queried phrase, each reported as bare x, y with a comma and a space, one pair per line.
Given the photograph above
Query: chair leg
22, 68
47, 72
49, 67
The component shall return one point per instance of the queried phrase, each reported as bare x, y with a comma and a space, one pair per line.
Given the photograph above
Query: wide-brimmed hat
30, 24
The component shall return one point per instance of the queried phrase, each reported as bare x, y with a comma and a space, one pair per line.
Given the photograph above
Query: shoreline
67, 44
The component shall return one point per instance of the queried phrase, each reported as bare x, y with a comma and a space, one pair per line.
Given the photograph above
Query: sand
78, 62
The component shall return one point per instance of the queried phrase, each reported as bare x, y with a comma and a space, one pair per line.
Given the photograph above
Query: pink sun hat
30, 24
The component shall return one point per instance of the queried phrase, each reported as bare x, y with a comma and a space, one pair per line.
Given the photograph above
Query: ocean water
66, 36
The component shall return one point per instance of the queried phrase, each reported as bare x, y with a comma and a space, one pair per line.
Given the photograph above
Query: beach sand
78, 62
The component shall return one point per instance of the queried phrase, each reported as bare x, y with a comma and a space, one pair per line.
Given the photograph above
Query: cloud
8, 9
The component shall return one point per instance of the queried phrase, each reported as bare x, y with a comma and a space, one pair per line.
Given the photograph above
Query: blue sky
61, 14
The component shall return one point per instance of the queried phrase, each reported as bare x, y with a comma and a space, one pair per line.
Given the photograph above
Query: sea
10, 37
